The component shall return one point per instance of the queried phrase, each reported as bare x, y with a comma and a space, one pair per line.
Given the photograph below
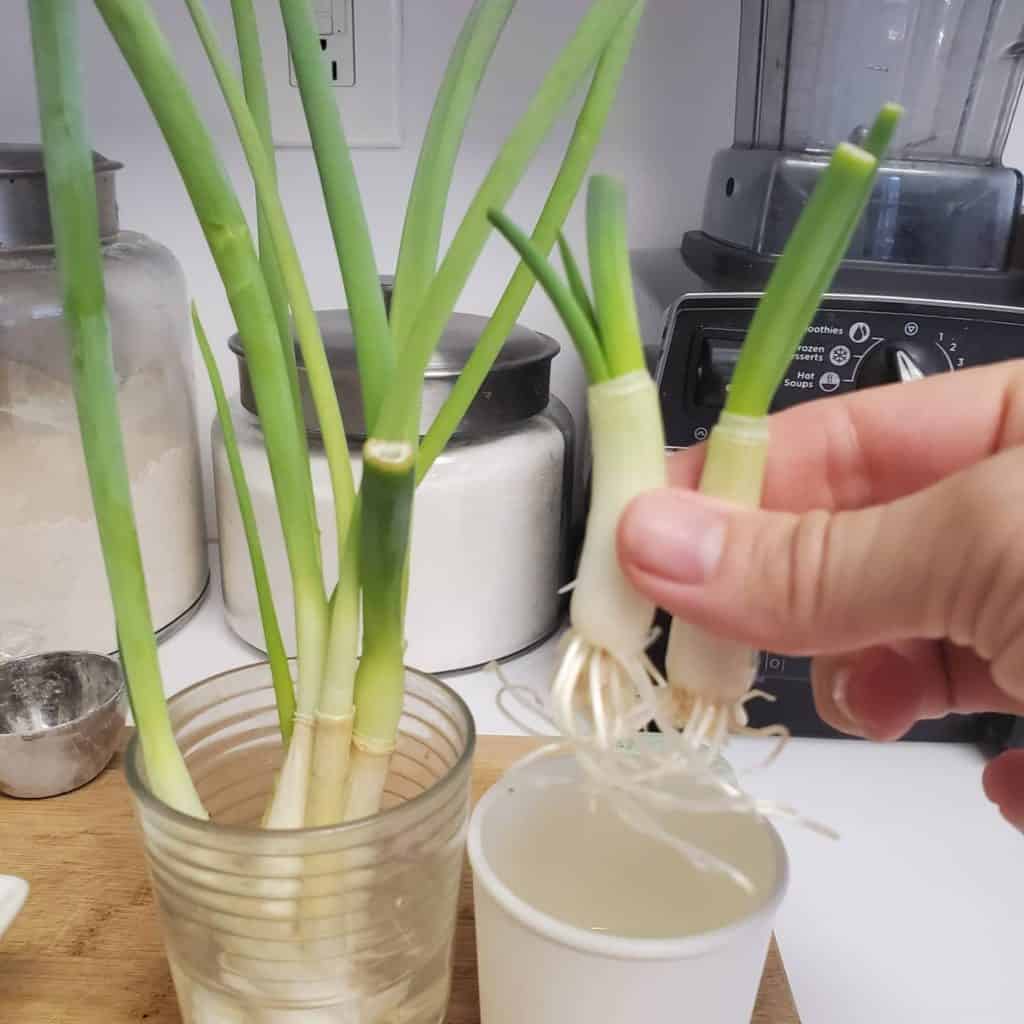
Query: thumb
944, 562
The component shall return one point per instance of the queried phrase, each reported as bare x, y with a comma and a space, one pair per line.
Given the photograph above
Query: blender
942, 220
932, 282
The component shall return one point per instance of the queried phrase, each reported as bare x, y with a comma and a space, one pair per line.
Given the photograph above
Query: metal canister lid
24, 209
517, 387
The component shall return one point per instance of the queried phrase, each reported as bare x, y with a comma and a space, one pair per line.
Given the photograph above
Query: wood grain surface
86, 948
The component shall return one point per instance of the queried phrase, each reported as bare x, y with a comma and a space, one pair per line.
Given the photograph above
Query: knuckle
1010, 426
794, 560
980, 586
1008, 665
823, 673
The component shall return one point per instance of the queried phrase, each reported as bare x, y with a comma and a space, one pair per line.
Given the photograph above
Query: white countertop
915, 915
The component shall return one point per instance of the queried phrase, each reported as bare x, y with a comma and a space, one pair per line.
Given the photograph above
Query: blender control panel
854, 342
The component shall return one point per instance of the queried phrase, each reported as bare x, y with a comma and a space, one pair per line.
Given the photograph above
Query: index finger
879, 445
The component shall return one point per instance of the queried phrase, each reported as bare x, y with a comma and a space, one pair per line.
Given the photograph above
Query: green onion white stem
335, 713
71, 189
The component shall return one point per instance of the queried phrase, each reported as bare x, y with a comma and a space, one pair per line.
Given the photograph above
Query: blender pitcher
813, 73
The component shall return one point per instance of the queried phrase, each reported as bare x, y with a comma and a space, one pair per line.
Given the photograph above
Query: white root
603, 691
598, 704
606, 688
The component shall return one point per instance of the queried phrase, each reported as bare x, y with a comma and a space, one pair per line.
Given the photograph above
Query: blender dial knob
891, 363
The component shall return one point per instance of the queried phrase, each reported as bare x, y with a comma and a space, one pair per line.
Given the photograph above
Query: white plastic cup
13, 893
534, 967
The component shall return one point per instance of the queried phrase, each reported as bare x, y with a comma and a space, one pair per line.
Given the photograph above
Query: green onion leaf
800, 278
612, 276
576, 321
280, 673
601, 22
574, 276
250, 55
882, 131
144, 46
424, 217
71, 189
307, 327
374, 346
387, 499
579, 153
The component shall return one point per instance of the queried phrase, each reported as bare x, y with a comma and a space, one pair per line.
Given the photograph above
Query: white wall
675, 110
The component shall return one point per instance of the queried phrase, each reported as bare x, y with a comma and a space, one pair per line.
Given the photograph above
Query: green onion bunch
605, 687
339, 716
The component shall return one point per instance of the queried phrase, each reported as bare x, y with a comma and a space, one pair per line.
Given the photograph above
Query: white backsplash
674, 112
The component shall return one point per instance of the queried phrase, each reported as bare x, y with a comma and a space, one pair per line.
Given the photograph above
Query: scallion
711, 676
71, 189
339, 713
610, 621
605, 687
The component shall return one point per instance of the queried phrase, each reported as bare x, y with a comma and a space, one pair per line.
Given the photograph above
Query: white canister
578, 918
492, 519
53, 583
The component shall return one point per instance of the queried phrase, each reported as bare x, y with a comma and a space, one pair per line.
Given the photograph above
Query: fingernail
840, 690
674, 536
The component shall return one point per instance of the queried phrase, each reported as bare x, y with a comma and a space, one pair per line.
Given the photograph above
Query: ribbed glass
351, 924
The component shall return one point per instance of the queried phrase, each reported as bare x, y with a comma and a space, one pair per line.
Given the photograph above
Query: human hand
890, 546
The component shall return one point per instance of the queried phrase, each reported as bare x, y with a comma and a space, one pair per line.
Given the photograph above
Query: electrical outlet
339, 53
361, 44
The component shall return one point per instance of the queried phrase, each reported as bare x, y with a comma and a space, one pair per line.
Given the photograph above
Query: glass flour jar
53, 589
492, 522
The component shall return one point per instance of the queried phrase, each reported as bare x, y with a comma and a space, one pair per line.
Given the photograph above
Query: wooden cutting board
86, 948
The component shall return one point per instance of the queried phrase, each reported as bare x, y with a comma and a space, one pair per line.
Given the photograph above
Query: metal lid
518, 386
24, 209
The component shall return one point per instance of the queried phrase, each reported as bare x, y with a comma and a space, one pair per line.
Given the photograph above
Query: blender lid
517, 387
24, 207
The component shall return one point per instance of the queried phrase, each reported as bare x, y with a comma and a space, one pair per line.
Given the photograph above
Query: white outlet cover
370, 108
